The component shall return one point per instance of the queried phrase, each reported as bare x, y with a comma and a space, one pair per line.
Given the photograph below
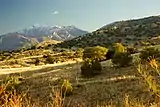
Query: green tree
95, 53
119, 48
122, 59
90, 68
68, 54
49, 59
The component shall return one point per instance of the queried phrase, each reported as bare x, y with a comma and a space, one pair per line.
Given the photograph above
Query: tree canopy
95, 53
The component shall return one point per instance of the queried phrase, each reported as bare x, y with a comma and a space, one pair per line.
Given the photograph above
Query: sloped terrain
14, 41
130, 32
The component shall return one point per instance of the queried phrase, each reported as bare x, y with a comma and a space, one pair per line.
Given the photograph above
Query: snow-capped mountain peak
64, 32
37, 33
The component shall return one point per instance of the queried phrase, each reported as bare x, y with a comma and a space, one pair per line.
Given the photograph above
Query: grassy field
111, 87
24, 59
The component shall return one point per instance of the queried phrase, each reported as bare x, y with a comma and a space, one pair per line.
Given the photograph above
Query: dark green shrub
12, 62
110, 54
149, 52
122, 59
90, 68
143, 43
58, 59
132, 50
96, 66
49, 59
53, 59
37, 61
45, 56
69, 54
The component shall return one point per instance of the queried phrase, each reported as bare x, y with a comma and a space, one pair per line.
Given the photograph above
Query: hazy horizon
87, 15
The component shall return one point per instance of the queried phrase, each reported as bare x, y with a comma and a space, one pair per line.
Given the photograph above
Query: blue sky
85, 14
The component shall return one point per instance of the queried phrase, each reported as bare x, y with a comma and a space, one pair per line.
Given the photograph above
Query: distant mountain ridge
36, 34
55, 32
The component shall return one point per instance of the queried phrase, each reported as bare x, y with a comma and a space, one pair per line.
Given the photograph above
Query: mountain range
36, 34
135, 32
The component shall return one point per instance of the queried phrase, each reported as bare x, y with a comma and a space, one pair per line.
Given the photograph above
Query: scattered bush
132, 50
66, 88
69, 54
49, 59
11, 62
96, 66
37, 61
95, 53
149, 52
118, 48
90, 68
79, 53
122, 59
110, 54
45, 56
143, 43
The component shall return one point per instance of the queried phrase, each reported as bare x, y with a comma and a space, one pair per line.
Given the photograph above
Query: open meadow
112, 87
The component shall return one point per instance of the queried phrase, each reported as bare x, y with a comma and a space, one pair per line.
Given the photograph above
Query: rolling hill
130, 32
14, 41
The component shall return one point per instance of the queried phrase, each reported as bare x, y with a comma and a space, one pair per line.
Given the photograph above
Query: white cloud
55, 12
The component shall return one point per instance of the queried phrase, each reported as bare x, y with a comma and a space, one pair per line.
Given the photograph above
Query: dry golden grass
116, 87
